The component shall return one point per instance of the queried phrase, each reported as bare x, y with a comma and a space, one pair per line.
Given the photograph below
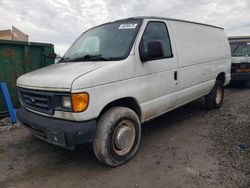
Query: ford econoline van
240, 49
118, 75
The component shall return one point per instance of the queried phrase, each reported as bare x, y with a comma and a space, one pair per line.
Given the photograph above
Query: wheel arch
128, 102
222, 77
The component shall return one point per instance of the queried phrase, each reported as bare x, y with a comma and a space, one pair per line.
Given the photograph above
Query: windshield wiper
90, 57
63, 59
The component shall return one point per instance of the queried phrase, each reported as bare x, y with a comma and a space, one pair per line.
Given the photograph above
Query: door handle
175, 75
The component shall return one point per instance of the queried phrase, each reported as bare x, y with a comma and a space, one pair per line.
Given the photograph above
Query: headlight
66, 102
80, 101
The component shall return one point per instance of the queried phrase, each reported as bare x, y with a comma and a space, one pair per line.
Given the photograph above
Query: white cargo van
240, 49
119, 75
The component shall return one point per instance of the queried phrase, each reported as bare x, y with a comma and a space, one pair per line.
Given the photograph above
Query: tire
117, 137
214, 99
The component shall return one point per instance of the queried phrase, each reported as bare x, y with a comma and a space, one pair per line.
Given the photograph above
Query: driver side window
156, 31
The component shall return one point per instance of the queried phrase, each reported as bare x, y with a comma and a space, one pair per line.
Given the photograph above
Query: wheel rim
218, 95
124, 137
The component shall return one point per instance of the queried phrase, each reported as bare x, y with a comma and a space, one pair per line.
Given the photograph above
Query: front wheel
117, 137
214, 99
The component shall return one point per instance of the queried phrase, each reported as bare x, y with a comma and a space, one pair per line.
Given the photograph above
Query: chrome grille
35, 100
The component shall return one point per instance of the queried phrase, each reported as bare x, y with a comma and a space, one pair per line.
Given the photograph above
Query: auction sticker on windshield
127, 26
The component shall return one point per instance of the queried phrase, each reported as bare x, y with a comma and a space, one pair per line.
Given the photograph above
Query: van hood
58, 77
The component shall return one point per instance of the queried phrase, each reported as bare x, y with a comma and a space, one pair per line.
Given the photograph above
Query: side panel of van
202, 54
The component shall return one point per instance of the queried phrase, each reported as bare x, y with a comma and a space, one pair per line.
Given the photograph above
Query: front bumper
59, 132
240, 76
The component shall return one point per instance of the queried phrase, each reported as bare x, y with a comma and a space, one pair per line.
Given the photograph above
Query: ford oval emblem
32, 100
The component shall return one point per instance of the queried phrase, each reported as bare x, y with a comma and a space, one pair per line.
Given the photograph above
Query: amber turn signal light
80, 101
243, 70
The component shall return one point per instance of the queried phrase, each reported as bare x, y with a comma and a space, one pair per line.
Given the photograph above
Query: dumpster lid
25, 43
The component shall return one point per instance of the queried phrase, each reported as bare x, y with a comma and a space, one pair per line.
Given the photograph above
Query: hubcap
124, 137
218, 95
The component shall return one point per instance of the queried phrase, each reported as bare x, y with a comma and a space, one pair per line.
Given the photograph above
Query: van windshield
111, 41
240, 49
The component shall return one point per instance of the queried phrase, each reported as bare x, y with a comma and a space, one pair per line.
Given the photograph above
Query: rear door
158, 78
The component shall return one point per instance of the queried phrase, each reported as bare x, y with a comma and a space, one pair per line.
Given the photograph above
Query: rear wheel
117, 137
214, 99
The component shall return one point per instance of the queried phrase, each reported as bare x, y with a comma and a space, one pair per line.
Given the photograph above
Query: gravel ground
231, 140
6, 124
188, 147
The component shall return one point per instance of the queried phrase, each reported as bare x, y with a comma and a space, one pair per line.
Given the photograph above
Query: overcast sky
61, 21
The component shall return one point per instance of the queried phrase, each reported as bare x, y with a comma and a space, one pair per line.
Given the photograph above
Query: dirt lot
188, 147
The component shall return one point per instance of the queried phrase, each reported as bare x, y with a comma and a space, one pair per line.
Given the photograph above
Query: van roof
165, 18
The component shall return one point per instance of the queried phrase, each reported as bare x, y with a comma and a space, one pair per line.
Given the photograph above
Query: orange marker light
80, 101
243, 70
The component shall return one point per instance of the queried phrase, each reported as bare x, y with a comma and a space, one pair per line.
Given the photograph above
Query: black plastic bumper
63, 133
240, 76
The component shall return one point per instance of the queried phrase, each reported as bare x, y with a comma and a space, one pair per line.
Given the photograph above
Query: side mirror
155, 51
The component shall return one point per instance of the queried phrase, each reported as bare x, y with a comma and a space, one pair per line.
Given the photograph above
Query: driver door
159, 76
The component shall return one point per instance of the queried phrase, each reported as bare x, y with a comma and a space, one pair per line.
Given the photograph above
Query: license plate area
56, 137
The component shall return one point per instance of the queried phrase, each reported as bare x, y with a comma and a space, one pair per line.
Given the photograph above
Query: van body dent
120, 74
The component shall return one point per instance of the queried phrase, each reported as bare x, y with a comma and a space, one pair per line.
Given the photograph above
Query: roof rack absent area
165, 18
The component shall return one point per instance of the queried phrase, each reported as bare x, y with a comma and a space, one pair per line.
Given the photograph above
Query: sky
60, 22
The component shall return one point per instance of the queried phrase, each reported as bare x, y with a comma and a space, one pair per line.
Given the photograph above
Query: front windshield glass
240, 49
111, 41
